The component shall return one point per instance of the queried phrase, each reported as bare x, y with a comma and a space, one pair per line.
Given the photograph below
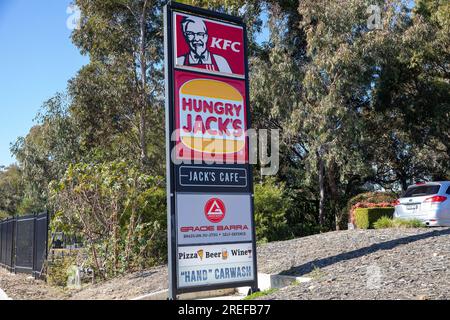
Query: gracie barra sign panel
211, 232
213, 218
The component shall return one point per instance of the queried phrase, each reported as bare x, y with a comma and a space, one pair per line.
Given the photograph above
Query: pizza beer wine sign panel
215, 264
210, 203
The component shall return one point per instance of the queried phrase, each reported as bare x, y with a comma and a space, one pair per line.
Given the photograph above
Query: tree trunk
334, 196
404, 183
322, 191
143, 100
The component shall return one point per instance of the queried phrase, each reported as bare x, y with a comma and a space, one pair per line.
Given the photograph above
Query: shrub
4, 215
383, 223
57, 272
119, 211
369, 200
412, 223
386, 222
366, 217
271, 206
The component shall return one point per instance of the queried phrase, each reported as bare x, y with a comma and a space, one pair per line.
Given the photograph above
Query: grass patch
260, 294
386, 222
316, 273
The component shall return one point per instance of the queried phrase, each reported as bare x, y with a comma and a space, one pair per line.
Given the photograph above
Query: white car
428, 202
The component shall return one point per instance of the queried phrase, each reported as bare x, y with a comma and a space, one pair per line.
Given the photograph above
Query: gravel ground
126, 287
354, 264
24, 287
363, 264
133, 285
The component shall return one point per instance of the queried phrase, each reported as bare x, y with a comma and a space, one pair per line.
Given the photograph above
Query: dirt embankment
354, 264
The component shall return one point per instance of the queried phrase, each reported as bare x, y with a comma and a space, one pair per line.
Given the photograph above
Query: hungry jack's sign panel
210, 118
211, 235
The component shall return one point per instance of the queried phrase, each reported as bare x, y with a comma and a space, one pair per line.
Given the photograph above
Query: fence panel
10, 244
41, 243
6, 243
23, 243
2, 243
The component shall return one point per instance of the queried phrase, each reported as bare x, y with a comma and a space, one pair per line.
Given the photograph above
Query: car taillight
396, 202
436, 199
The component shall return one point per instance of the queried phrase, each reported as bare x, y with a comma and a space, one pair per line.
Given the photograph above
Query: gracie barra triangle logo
215, 210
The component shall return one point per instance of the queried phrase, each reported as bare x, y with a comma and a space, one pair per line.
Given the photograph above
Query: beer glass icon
224, 254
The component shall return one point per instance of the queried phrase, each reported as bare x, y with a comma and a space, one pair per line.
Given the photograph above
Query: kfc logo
209, 45
196, 35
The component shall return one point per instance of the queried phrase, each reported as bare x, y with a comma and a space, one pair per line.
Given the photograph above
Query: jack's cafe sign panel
206, 119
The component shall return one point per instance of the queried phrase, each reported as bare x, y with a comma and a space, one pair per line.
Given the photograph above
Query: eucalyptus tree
11, 189
118, 96
46, 151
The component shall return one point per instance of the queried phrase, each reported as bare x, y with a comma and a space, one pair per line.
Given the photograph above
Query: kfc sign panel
212, 46
210, 118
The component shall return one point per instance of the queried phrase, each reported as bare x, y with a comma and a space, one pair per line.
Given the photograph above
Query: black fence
23, 243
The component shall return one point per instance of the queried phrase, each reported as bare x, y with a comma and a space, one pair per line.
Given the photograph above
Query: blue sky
36, 60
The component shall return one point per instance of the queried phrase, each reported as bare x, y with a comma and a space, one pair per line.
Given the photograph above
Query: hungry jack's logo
212, 118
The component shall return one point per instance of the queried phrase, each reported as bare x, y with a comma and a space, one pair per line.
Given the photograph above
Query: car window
421, 191
448, 190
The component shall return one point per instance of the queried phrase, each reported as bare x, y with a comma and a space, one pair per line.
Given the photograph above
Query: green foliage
45, 152
387, 222
57, 272
4, 215
260, 294
271, 206
119, 211
366, 217
369, 200
11, 190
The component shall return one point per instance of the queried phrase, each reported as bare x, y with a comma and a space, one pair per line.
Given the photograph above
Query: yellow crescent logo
214, 91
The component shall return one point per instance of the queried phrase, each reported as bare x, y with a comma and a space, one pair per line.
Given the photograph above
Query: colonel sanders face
196, 34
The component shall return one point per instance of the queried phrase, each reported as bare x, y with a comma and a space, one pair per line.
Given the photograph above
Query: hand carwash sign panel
215, 263
210, 201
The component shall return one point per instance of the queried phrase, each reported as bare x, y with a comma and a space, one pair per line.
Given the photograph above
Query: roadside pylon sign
210, 219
